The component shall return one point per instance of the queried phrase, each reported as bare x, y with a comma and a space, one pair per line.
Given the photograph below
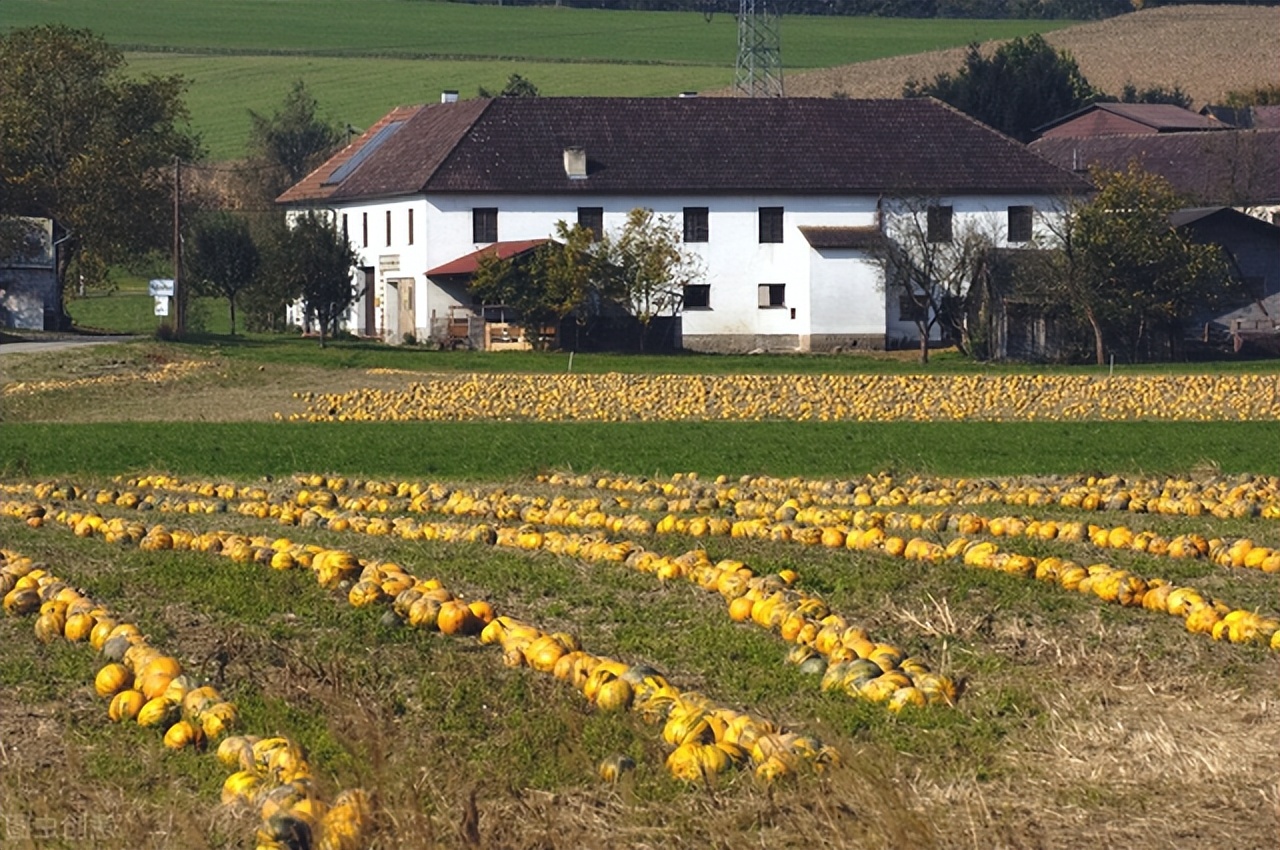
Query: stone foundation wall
781, 343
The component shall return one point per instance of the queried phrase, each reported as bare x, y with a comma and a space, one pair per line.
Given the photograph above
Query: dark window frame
388, 228
939, 219
410, 227
364, 230
697, 224
701, 299
484, 224
776, 296
772, 228
592, 218
1021, 222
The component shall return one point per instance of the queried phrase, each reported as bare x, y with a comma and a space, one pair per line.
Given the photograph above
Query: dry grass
1206, 50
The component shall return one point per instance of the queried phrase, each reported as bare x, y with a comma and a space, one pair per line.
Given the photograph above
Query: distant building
1113, 119
28, 279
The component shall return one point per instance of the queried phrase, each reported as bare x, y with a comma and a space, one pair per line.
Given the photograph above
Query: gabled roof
1160, 117
686, 145
468, 263
1192, 216
1235, 167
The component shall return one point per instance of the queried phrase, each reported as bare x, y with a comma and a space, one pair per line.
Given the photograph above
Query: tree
224, 260
649, 266
316, 261
547, 284
1129, 272
1023, 85
1155, 94
85, 145
291, 142
517, 86
929, 263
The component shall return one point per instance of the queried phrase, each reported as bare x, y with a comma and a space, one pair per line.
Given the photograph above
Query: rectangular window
1020, 220
696, 224
770, 224
592, 218
772, 295
345, 236
410, 239
484, 224
909, 310
939, 224
364, 229
697, 296
388, 228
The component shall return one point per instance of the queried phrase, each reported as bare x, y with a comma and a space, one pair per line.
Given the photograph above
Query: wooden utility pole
179, 297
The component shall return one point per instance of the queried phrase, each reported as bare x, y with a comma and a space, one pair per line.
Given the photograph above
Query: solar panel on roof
342, 172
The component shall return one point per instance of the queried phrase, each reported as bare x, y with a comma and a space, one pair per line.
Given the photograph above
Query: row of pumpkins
771, 602
707, 738
1211, 617
148, 687
616, 397
1223, 497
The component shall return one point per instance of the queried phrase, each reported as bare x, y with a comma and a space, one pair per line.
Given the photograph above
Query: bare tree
929, 261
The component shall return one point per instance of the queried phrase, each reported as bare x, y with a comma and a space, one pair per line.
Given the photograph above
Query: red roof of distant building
468, 263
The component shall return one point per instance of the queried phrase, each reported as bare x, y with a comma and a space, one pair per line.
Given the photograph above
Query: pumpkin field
326, 657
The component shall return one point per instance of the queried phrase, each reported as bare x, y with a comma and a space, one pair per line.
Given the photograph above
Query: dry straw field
1206, 50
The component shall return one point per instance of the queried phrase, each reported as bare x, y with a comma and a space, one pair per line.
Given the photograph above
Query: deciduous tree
317, 261
290, 142
1024, 84
649, 266
85, 144
223, 260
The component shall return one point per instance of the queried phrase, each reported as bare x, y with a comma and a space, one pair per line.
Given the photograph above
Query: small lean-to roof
860, 238
1231, 167
468, 263
692, 145
1225, 215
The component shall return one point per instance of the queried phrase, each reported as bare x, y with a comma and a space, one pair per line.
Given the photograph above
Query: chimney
449, 96
575, 163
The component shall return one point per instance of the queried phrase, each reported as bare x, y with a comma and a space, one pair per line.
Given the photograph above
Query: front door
405, 319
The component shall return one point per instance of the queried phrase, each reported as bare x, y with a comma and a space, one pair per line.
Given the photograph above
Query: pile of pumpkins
145, 686
615, 397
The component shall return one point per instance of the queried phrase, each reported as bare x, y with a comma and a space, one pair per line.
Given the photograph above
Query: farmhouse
782, 199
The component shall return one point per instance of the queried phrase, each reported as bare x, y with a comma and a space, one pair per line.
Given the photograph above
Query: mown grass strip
497, 450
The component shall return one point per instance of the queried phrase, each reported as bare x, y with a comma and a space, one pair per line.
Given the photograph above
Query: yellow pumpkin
183, 734
125, 706
455, 618
112, 679
158, 712
614, 695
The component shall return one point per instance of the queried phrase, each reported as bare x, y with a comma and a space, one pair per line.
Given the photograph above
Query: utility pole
758, 72
179, 297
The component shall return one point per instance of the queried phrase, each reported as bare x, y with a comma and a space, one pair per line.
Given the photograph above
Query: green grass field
361, 57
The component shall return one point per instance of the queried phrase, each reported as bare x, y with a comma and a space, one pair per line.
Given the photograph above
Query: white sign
163, 286
162, 305
389, 263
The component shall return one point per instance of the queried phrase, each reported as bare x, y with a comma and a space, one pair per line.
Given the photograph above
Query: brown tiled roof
468, 263
692, 145
843, 237
1160, 117
1233, 167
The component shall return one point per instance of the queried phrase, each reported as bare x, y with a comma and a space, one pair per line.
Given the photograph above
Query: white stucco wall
831, 292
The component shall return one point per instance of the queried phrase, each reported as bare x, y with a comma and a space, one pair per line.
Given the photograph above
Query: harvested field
1206, 50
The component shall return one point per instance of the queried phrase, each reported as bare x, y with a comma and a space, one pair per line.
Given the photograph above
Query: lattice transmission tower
758, 72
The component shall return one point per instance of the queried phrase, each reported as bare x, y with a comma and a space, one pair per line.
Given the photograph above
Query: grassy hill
360, 57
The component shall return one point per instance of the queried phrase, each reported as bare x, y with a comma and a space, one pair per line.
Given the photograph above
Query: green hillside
361, 57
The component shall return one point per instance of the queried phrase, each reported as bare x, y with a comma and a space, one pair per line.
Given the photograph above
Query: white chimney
449, 96
575, 163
